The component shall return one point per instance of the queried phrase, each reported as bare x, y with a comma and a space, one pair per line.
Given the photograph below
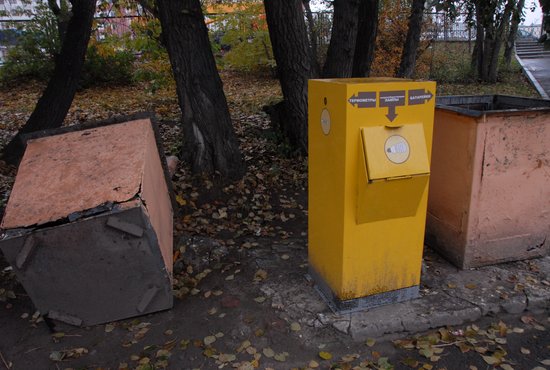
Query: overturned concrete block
88, 226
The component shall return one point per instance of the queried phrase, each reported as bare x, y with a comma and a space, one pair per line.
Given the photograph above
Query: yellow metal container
369, 163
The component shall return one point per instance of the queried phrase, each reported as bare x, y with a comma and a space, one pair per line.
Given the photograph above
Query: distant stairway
531, 49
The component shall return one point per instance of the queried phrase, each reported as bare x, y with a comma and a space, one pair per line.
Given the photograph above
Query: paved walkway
537, 69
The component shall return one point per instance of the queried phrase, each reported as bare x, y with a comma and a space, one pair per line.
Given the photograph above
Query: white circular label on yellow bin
325, 121
397, 149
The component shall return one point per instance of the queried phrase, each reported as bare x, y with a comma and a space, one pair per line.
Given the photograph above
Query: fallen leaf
244, 345
260, 299
313, 364
525, 351
370, 342
212, 311
184, 343
260, 275
410, 362
471, 286
163, 353
545, 362
426, 352
491, 360
109, 328
268, 352
295, 326
384, 363
180, 200
57, 356
350, 358
227, 357
281, 357
209, 340
325, 355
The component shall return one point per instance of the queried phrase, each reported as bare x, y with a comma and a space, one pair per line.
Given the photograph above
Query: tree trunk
512, 35
477, 55
494, 27
287, 31
62, 15
408, 57
367, 29
52, 107
313, 38
499, 39
339, 62
210, 143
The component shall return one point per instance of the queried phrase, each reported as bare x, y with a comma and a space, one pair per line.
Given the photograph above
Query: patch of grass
450, 67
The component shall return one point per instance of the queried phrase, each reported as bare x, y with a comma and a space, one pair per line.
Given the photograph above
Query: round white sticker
325, 121
397, 149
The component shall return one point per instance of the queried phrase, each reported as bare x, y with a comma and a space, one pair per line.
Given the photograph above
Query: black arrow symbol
391, 113
419, 96
363, 99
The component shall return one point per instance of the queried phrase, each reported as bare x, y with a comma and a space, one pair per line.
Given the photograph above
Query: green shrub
33, 55
107, 62
242, 39
152, 65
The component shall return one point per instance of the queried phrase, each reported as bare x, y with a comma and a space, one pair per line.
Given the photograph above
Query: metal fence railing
439, 28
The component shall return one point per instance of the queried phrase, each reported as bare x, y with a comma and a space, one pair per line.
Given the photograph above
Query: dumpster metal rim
544, 104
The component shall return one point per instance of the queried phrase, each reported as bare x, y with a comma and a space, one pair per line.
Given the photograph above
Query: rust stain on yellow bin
369, 153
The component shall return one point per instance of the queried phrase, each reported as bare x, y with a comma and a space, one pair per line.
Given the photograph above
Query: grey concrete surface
536, 65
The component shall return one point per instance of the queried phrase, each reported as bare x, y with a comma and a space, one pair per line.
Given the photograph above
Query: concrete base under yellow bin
339, 306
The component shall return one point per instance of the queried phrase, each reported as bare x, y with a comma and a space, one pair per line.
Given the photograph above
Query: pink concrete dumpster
489, 197
88, 225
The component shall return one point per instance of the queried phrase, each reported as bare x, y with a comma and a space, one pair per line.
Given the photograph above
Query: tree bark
339, 62
288, 34
210, 143
477, 54
62, 16
512, 35
313, 38
492, 24
53, 105
367, 30
408, 57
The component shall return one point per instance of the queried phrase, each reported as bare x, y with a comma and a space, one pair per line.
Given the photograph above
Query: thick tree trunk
512, 35
367, 29
477, 55
52, 107
493, 35
339, 62
408, 57
287, 30
210, 143
313, 38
